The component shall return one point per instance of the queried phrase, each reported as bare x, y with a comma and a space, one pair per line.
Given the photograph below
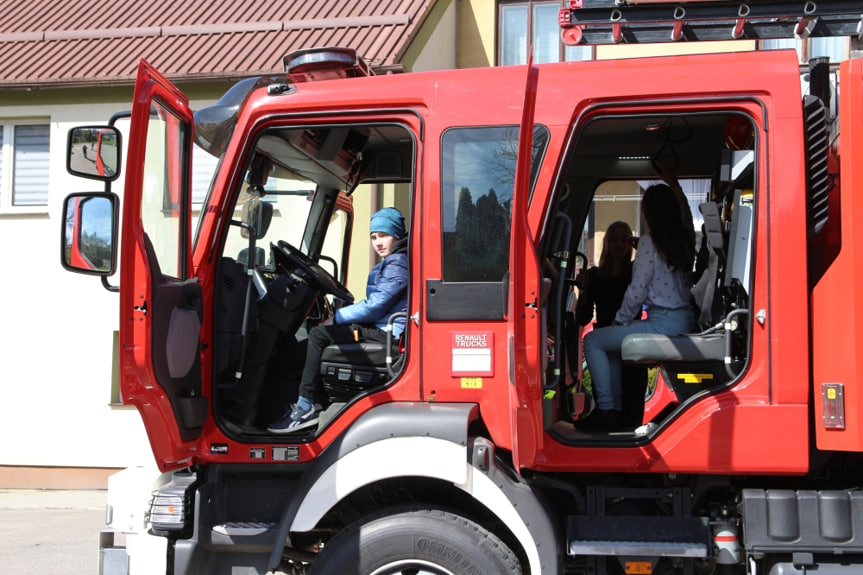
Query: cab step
248, 535
243, 529
638, 536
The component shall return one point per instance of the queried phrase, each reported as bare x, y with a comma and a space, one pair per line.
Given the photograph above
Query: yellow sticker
831, 393
471, 383
694, 377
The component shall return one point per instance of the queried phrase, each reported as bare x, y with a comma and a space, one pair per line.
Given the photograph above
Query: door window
478, 174
164, 187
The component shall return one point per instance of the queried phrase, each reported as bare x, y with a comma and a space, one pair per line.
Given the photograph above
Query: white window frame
7, 166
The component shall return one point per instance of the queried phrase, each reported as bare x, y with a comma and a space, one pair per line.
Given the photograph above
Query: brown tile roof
82, 42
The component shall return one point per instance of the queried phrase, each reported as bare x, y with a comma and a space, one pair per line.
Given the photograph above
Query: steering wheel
291, 258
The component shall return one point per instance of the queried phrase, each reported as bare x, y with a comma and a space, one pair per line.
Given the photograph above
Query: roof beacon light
315, 64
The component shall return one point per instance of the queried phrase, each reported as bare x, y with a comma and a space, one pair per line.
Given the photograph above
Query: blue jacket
386, 294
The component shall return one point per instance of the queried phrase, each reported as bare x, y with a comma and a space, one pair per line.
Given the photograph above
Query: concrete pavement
52, 499
50, 531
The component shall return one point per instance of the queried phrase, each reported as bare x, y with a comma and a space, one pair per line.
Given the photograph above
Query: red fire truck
454, 450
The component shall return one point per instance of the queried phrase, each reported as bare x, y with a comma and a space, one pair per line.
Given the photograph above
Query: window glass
296, 186
834, 48
534, 24
164, 187
477, 186
513, 35
784, 44
546, 33
30, 165
333, 249
779, 44
577, 53
203, 169
290, 201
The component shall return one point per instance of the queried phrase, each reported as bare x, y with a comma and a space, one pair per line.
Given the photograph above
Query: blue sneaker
296, 419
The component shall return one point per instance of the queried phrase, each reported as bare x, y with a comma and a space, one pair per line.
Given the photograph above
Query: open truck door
525, 291
160, 299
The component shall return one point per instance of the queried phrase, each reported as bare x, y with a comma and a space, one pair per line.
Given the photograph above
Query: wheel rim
411, 567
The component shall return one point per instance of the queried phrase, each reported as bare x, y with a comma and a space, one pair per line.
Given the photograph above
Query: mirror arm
108, 286
119, 116
111, 122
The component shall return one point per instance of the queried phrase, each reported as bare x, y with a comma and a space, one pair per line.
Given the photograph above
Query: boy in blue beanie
386, 294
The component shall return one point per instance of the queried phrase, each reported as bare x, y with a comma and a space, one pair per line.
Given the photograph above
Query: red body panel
837, 346
760, 425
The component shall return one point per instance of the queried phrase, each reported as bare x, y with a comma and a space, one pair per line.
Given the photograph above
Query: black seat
652, 348
351, 368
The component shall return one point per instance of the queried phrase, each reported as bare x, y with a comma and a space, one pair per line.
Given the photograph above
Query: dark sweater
603, 292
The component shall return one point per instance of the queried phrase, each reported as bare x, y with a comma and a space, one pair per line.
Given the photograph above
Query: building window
24, 165
526, 24
835, 48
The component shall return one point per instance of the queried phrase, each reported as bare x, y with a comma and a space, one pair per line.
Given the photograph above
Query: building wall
434, 47
59, 326
477, 33
56, 414
607, 52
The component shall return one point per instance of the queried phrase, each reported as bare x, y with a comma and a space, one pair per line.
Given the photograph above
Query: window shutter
30, 175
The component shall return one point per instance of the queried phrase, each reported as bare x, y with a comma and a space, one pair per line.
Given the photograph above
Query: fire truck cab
454, 449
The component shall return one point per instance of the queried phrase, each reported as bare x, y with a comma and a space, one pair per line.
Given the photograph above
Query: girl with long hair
603, 286
661, 279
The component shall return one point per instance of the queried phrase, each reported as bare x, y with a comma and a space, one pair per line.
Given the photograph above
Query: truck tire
415, 541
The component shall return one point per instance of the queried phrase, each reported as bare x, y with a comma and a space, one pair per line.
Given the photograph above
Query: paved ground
46, 532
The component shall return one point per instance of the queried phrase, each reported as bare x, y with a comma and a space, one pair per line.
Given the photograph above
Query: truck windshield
288, 207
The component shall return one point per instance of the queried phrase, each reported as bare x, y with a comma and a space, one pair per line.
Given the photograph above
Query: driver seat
349, 369
352, 368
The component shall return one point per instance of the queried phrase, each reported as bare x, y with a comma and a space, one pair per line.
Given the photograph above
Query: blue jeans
602, 350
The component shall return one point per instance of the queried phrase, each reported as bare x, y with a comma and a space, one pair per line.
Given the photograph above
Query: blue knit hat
389, 221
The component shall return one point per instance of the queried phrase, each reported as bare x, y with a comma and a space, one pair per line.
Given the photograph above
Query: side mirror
90, 233
94, 152
258, 214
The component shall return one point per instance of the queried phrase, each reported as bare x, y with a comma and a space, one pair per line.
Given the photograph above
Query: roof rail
638, 21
